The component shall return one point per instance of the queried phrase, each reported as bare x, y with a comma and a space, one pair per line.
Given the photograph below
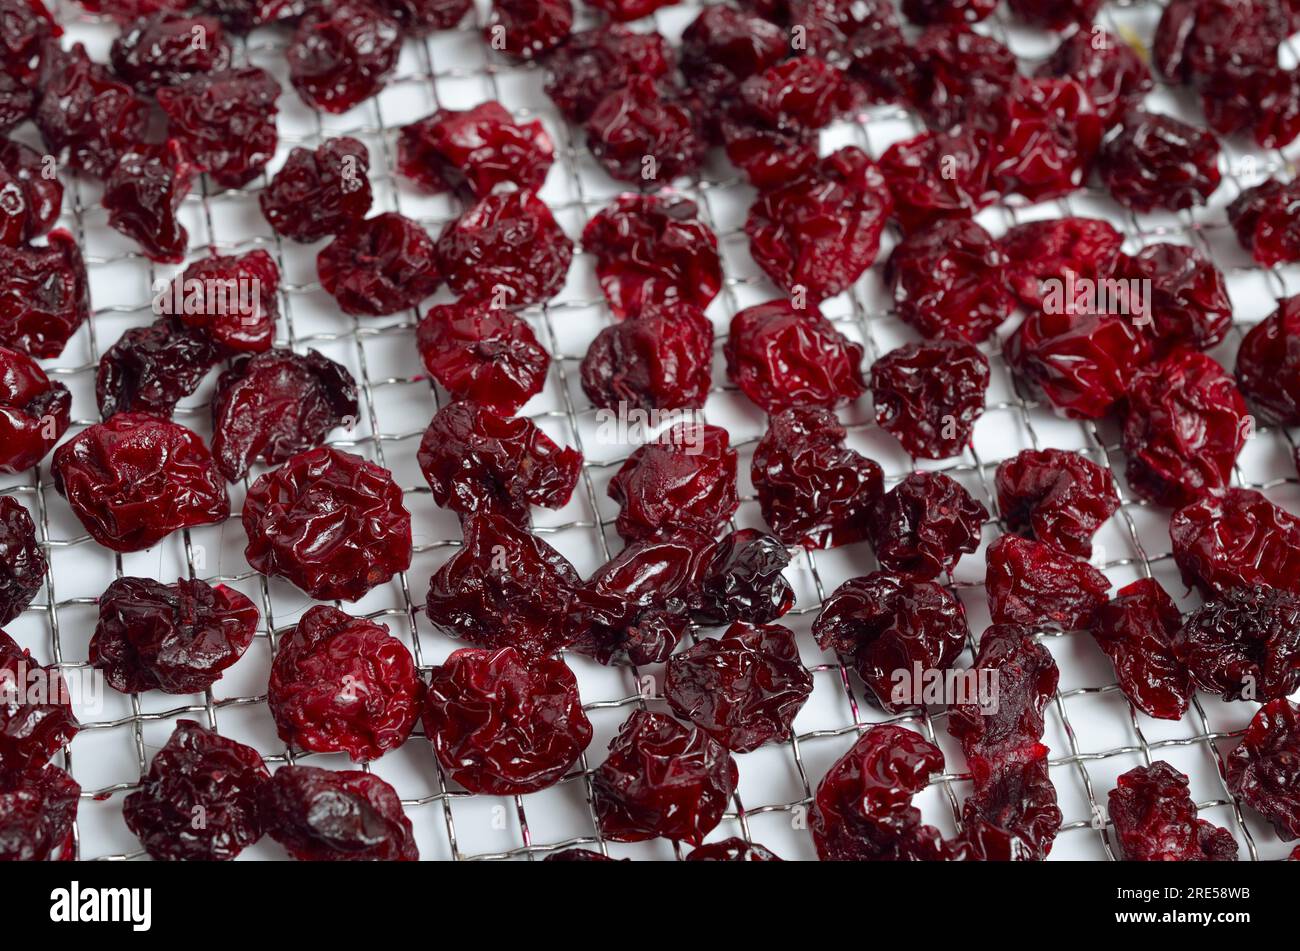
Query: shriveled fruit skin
159, 50
421, 17
242, 321
1233, 539
959, 75
923, 525
176, 638
1115, 77
134, 479
1244, 644
30, 200
198, 772
1158, 162
662, 779
641, 121
225, 121
528, 29
483, 353
923, 194
1261, 771
1027, 681
34, 413
1264, 220
1052, 253
474, 151
1047, 133
341, 684
342, 54
44, 295
143, 194
660, 359
591, 63
1155, 819
1057, 497
721, 48
1138, 629
502, 724
1033, 584
743, 580
1268, 365
733, 850
150, 369
32, 729
325, 815
22, 561
320, 193
1188, 303
380, 266
1011, 813
929, 395
1056, 14
37, 811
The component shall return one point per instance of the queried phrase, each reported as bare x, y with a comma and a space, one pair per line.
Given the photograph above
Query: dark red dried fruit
1261, 771
1011, 813
85, 109
813, 490
580, 855
232, 299
1112, 73
380, 266
341, 684
198, 775
225, 121
476, 461
1056, 14
923, 525
1055, 257
743, 689
504, 587
1080, 360
733, 850
721, 48
38, 812
482, 353
880, 62
26, 27
939, 175
321, 815
959, 75
1156, 161
342, 54
1187, 302
950, 281
143, 196
422, 17
1137, 629
767, 156
150, 369
684, 479
660, 359
947, 11
320, 193
34, 413
1155, 819
126, 11
474, 151
528, 29
815, 235
781, 357
884, 624
742, 581
662, 779
1196, 39
176, 638
929, 395
652, 249
1244, 644
166, 49
593, 63
1236, 538
330, 522
241, 16
1047, 133
1263, 102
275, 404
44, 295
862, 810
1036, 585
1055, 496
1009, 728
32, 729
1268, 365
30, 194
134, 479
506, 248
503, 724
639, 134
1186, 423
1265, 220
22, 562
803, 93
623, 10
636, 607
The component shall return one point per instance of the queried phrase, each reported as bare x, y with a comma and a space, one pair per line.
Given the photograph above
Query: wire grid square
1093, 732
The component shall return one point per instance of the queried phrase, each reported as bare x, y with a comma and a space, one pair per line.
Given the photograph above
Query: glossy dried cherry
743, 581
1156, 161
959, 75
422, 17
150, 369
143, 196
44, 295
1055, 496
528, 29
1268, 365
380, 266
32, 728
1036, 585
474, 151
319, 193
324, 815
928, 12
34, 413
1187, 302
1058, 256
939, 175
22, 561
482, 353
38, 810
162, 50
1046, 135
232, 298
592, 63
342, 54
923, 525
640, 133
1245, 643
1261, 771
929, 395
1155, 819
1112, 73
1009, 729
1236, 538
1137, 629
732, 850
660, 359
1264, 219
1056, 14
721, 48
30, 197
225, 121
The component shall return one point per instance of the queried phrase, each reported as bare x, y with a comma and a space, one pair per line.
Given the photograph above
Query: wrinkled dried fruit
320, 193
929, 395
241, 16
321, 815
482, 353
505, 725
342, 54
198, 773
1196, 39
813, 490
684, 479
1237, 538
1155, 819
176, 638
1187, 302
947, 11
1056, 257
1244, 644
151, 369
721, 48
1137, 629
1268, 365
593, 63
1036, 585
1262, 769
44, 295
662, 779
32, 729
34, 413
733, 850
1156, 161
1056, 14
476, 461
233, 299
421, 17
580, 855
380, 266
26, 28
938, 175
160, 50
660, 359
143, 196
1266, 223
743, 581
504, 587
330, 522
38, 810
134, 479
225, 121
782, 357
341, 684
1055, 496
1008, 729
652, 249
923, 525
639, 133
528, 29
882, 624
1112, 73
1047, 133
507, 246
623, 10
959, 75
22, 561
474, 151
30, 199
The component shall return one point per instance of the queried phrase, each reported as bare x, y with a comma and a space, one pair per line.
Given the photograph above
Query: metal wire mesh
1093, 732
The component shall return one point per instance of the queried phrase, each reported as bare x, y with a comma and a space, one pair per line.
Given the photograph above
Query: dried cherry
242, 16
1196, 39
1056, 256
1268, 365
743, 581
1264, 219
528, 29
32, 729
22, 561
1047, 133
335, 815
44, 295
1236, 538
164, 49
342, 54
321, 193
1261, 771
592, 63
1111, 72
1011, 813
640, 134
380, 266
26, 28
1137, 630
1187, 302
422, 17
1156, 161
143, 196
1055, 496
923, 525
959, 75
1261, 101
721, 48
38, 812
1155, 819
34, 413
1244, 643
474, 151
150, 369
225, 121
939, 175
232, 298
660, 359
929, 395
1056, 14
1007, 728
30, 198
927, 12
482, 353
732, 850
624, 10
1036, 585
